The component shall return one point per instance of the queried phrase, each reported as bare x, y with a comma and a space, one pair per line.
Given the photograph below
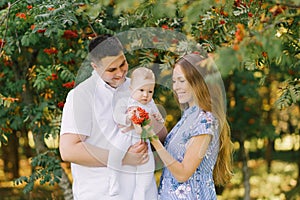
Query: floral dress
200, 185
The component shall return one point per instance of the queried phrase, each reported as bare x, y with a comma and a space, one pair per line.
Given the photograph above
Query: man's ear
93, 65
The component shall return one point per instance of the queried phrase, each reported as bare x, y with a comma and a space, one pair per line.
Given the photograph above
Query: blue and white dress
200, 185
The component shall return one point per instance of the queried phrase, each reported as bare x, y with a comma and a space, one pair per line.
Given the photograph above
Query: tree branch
9, 6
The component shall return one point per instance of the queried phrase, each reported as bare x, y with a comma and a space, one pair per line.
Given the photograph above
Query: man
88, 126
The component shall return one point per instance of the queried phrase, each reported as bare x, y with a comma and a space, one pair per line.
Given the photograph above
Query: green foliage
43, 43
227, 61
195, 10
290, 94
43, 49
244, 99
46, 169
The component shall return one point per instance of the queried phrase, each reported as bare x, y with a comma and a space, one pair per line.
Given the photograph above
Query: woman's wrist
152, 135
156, 144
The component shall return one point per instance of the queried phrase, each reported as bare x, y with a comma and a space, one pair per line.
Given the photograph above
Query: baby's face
143, 94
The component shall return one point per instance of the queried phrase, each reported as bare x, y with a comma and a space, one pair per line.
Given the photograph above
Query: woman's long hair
206, 82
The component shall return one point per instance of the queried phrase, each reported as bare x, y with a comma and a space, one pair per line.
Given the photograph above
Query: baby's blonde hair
141, 76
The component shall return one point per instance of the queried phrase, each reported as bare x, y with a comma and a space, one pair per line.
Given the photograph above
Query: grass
264, 186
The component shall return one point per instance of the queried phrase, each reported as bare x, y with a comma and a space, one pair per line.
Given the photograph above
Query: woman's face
181, 87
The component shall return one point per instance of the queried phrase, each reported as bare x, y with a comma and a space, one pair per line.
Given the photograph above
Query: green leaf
195, 10
94, 9
293, 93
67, 75
226, 60
160, 11
127, 6
30, 38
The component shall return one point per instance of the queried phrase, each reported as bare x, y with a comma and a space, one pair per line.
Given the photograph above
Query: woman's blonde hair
206, 82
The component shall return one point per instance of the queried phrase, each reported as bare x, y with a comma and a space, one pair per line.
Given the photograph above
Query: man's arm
73, 148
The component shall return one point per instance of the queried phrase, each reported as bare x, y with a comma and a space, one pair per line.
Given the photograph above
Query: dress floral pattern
200, 185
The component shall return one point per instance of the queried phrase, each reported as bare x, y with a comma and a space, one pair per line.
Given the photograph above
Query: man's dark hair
103, 46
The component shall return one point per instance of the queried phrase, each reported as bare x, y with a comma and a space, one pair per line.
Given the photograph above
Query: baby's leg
144, 177
119, 146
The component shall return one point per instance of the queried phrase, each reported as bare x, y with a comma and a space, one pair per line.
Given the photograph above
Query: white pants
141, 177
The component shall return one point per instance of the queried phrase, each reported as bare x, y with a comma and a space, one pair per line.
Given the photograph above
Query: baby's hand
158, 117
130, 111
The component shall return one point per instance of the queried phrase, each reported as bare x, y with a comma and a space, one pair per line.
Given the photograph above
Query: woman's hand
158, 126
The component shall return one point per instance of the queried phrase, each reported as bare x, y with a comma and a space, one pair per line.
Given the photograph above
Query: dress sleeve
205, 124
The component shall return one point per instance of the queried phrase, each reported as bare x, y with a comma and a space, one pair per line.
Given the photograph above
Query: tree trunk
298, 163
269, 152
41, 147
11, 156
295, 192
66, 186
64, 183
245, 169
28, 151
15, 154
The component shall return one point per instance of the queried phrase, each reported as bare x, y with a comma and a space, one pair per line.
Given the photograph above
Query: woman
198, 150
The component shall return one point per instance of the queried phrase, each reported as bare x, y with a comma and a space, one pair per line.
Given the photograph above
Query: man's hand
137, 154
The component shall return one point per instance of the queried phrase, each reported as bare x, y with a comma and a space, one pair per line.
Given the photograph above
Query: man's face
113, 70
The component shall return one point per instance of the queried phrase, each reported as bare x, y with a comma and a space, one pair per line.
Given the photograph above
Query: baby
142, 88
